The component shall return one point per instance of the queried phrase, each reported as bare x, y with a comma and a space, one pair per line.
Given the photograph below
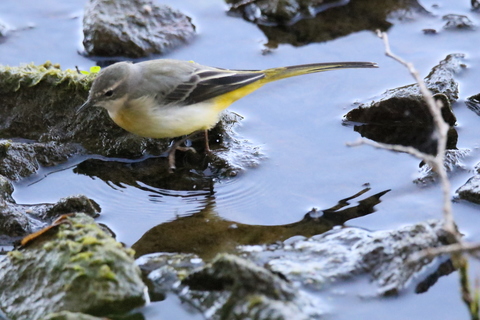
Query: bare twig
441, 130
393, 147
449, 249
437, 164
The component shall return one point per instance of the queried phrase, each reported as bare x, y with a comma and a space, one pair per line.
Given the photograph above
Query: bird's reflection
149, 174
206, 233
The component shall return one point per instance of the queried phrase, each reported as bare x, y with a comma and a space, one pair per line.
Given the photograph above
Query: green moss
29, 75
15, 255
106, 273
82, 256
85, 268
89, 240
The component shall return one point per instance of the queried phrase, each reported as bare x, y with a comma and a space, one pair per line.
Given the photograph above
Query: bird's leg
207, 144
176, 146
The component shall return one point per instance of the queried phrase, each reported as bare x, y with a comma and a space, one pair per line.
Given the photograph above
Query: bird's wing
205, 84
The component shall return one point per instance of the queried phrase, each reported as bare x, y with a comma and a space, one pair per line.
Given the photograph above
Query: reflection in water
299, 25
148, 175
421, 138
206, 233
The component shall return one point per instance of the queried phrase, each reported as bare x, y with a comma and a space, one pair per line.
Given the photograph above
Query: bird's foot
171, 156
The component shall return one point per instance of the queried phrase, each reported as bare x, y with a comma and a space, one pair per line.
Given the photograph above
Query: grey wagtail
170, 98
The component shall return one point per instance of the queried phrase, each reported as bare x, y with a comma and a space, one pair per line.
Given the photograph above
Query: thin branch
394, 147
448, 249
441, 129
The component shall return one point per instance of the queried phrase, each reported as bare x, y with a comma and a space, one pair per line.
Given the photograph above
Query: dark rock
401, 116
229, 288
21, 159
473, 103
430, 31
164, 271
133, 28
77, 268
248, 291
457, 21
475, 4
17, 220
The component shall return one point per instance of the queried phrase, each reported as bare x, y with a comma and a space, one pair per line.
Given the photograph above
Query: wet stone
236, 288
470, 191
473, 103
345, 253
18, 220
133, 28
164, 272
401, 116
475, 4
453, 161
22, 159
457, 21
86, 271
229, 287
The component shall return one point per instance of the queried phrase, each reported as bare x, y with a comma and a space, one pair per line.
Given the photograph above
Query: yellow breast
144, 118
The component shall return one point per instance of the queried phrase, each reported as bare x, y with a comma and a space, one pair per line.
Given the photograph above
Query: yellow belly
167, 122
143, 118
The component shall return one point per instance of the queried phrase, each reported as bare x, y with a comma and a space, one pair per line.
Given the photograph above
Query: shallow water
297, 124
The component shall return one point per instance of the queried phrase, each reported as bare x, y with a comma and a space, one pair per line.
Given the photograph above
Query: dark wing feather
207, 84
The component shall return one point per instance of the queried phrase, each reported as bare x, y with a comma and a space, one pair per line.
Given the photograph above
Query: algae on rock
77, 268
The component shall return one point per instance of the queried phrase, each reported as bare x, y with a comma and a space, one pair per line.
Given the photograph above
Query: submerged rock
230, 287
275, 281
250, 291
22, 159
452, 161
470, 191
475, 4
133, 28
457, 21
473, 103
345, 253
401, 116
18, 220
77, 268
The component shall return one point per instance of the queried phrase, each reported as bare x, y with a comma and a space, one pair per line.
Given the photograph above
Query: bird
167, 98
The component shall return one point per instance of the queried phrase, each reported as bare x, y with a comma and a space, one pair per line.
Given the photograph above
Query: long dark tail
286, 72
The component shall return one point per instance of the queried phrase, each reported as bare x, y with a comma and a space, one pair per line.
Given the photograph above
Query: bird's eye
109, 93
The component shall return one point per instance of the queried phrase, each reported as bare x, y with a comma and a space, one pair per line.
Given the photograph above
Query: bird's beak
87, 104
